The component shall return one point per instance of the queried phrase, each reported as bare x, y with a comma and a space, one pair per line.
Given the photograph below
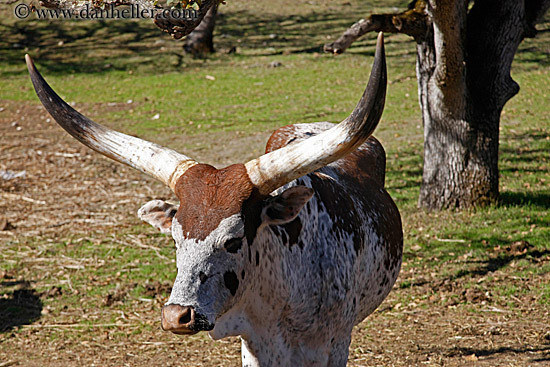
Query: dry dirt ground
69, 191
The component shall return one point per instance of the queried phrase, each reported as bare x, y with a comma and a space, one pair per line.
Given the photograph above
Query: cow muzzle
183, 320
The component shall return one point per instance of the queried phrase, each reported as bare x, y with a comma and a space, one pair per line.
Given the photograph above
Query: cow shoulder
367, 162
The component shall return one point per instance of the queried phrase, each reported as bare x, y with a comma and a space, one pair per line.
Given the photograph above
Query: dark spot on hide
231, 282
385, 281
233, 245
343, 213
293, 229
257, 258
203, 277
251, 212
242, 274
289, 233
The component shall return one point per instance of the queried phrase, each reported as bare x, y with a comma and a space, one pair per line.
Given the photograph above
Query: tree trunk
464, 81
463, 69
201, 41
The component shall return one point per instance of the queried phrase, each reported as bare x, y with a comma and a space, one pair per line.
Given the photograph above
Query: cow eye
233, 245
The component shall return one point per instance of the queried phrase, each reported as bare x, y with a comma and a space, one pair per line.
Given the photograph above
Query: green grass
95, 66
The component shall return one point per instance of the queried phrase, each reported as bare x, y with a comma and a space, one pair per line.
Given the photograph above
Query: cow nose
178, 319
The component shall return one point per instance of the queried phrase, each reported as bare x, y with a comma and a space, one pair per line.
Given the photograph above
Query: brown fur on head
207, 195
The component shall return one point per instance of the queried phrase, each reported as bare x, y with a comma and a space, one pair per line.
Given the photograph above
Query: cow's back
368, 161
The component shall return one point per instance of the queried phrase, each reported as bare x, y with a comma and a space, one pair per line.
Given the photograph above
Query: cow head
221, 211
214, 227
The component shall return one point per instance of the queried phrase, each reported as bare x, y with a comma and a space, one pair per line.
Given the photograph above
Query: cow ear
159, 214
284, 207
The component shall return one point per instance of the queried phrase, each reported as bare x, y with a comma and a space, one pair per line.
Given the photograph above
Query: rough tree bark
464, 56
201, 40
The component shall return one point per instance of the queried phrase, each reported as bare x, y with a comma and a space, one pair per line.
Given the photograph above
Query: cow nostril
185, 318
178, 319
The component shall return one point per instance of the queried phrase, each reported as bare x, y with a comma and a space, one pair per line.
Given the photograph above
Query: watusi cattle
288, 251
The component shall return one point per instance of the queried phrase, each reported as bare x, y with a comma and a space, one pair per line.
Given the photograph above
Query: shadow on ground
498, 262
95, 46
482, 267
21, 307
538, 199
542, 352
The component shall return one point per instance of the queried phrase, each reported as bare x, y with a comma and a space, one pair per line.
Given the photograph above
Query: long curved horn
274, 169
162, 163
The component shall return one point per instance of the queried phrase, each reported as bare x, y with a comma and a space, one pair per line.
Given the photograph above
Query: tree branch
412, 22
180, 27
534, 13
449, 22
176, 27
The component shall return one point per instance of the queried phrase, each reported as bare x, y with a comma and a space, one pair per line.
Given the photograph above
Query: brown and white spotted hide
293, 272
